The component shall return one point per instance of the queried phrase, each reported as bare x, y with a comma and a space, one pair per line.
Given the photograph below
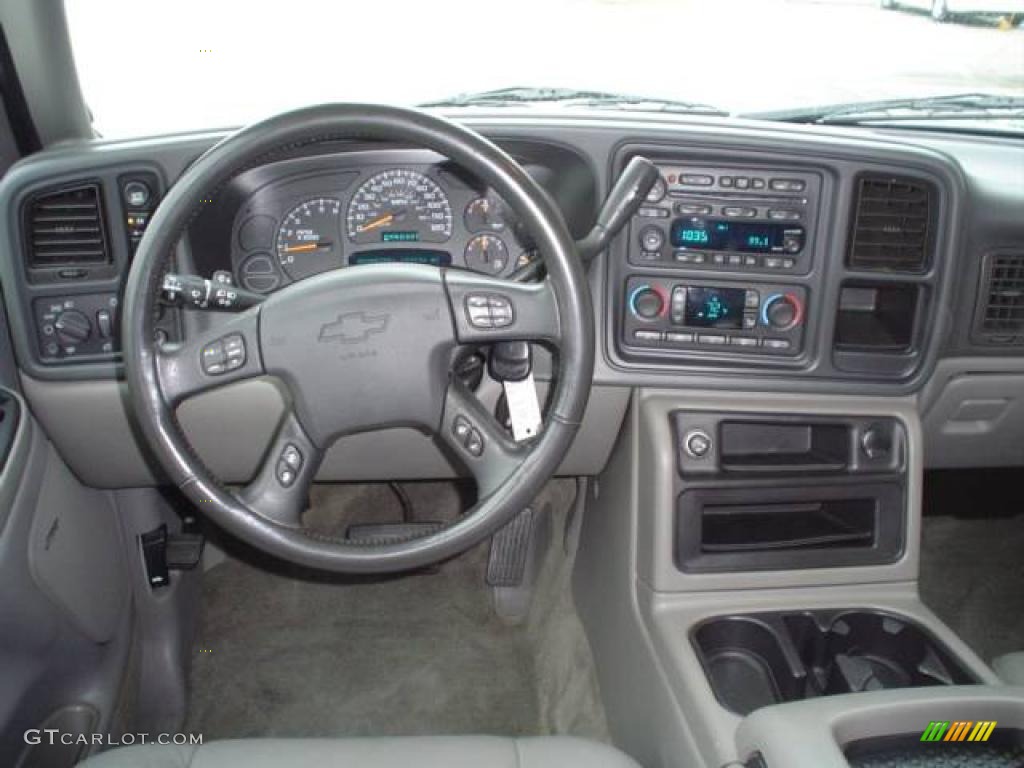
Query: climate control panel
664, 313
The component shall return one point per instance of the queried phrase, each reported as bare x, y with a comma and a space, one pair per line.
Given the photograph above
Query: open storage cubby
755, 660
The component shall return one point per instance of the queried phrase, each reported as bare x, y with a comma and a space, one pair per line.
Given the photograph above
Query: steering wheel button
474, 443
292, 457
476, 301
461, 429
285, 474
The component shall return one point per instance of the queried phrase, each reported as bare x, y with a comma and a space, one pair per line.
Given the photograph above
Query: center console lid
831, 732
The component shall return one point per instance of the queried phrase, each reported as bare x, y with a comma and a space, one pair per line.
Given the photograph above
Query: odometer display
399, 205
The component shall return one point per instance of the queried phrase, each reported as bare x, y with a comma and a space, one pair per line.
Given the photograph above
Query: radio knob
646, 302
72, 327
792, 244
782, 311
651, 239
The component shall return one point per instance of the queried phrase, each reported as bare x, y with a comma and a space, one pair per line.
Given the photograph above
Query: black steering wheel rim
146, 371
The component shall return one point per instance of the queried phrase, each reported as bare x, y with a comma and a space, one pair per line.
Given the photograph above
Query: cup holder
756, 660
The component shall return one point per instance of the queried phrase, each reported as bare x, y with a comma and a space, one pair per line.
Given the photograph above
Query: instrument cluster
301, 223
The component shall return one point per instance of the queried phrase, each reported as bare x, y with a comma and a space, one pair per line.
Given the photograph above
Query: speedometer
399, 206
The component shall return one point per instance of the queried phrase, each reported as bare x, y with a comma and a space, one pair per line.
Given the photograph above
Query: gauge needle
305, 247
382, 221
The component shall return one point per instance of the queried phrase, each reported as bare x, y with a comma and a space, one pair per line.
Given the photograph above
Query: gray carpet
287, 653
972, 576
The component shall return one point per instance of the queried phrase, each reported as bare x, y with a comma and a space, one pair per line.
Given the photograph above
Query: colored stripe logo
958, 730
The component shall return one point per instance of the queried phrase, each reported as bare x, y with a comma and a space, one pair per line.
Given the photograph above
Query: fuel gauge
487, 254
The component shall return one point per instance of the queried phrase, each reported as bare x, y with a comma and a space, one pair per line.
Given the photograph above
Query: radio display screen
708, 307
401, 256
727, 235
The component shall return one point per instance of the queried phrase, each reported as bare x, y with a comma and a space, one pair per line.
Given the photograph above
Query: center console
719, 264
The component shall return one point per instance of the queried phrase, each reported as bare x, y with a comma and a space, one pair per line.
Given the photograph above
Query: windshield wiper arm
964, 106
572, 97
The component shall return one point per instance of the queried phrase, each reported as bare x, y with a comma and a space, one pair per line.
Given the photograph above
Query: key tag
511, 363
523, 407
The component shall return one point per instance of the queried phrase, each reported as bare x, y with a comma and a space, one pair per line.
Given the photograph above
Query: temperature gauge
488, 254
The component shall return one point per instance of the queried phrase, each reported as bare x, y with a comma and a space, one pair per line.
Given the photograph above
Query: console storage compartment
754, 660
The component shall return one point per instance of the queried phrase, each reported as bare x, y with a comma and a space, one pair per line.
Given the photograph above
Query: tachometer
308, 240
399, 206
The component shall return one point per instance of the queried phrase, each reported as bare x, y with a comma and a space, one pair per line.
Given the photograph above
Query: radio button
693, 209
783, 215
749, 321
711, 338
772, 262
678, 337
647, 335
718, 258
777, 344
751, 261
648, 212
787, 185
757, 183
738, 211
696, 179
735, 260
650, 256
788, 263
725, 181
744, 341
742, 182
699, 258
752, 300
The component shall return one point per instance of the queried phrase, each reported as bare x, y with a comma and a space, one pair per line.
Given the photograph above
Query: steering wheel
362, 349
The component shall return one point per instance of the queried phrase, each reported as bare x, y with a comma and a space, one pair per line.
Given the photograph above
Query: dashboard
769, 258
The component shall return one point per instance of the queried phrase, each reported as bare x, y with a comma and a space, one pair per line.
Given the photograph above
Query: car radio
727, 219
666, 313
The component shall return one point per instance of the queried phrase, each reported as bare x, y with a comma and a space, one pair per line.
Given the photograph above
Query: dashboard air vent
893, 219
65, 226
1002, 318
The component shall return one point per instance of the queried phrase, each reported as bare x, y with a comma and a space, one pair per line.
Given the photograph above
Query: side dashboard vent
66, 226
893, 224
1001, 319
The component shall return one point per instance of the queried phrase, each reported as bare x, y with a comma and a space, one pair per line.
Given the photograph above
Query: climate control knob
72, 327
647, 302
782, 311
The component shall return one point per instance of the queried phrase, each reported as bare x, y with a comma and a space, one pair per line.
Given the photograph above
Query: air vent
893, 219
65, 227
1002, 320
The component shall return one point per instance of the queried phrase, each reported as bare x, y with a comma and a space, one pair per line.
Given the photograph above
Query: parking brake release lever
625, 198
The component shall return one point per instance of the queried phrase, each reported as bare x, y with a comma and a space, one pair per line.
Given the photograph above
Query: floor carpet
281, 652
972, 576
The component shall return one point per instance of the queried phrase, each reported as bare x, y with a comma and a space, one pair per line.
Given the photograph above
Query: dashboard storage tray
755, 660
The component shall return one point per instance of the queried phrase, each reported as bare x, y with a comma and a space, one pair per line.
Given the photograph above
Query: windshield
154, 68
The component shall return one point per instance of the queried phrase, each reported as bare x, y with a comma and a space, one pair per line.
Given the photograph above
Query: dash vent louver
65, 227
1001, 320
893, 224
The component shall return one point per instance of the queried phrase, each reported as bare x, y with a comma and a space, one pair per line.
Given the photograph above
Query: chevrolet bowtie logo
353, 327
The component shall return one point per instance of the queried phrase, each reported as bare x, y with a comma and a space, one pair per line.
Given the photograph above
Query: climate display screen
402, 256
715, 307
727, 235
